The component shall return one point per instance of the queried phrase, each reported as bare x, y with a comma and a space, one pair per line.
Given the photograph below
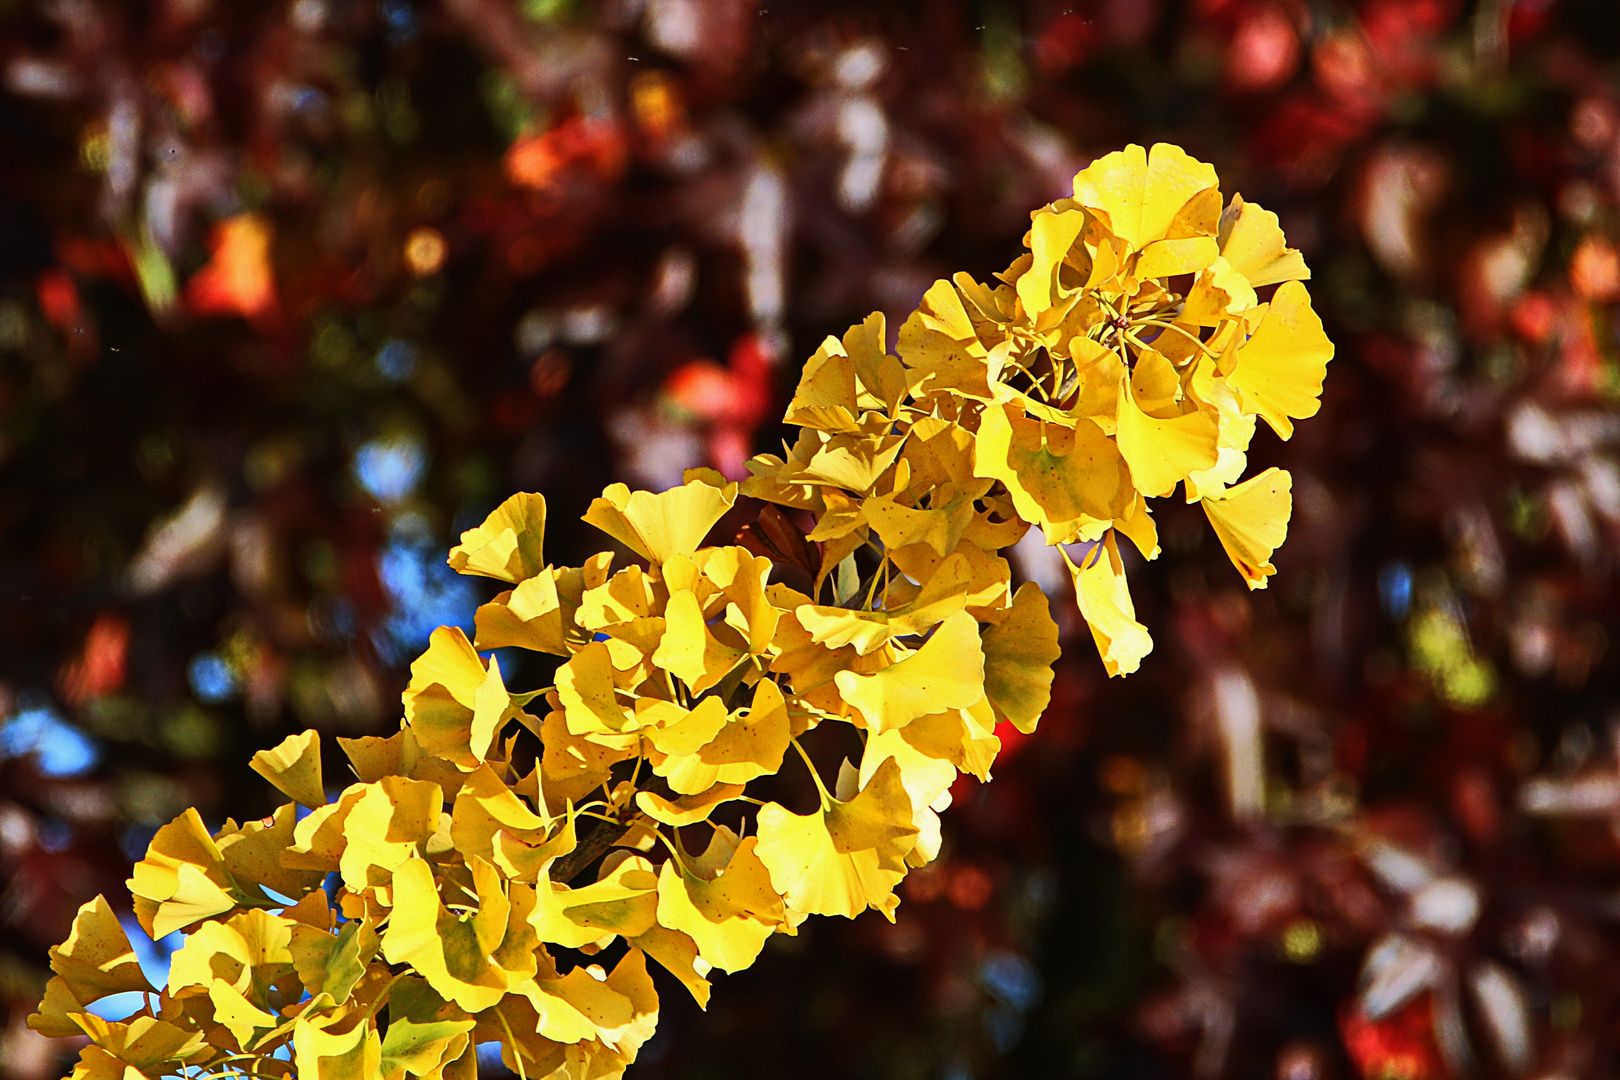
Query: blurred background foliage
293, 291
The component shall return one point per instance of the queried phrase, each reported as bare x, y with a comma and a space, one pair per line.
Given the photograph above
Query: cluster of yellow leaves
503, 868
1126, 352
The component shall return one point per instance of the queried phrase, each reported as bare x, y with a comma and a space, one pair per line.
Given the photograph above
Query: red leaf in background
1306, 135
1402, 36
703, 389
1012, 740
99, 667
1527, 19
733, 399
539, 162
96, 258
1534, 316
238, 279
1594, 271
1400, 1044
1265, 50
64, 309
1582, 362
1065, 43
59, 300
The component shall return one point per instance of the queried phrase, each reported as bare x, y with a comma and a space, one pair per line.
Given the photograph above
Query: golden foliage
489, 858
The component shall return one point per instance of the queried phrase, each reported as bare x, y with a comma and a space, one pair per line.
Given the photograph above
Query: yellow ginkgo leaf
1279, 370
825, 398
485, 807
689, 649
1066, 480
255, 852
678, 731
628, 595
941, 345
926, 776
97, 959
530, 616
710, 747
1162, 450
572, 765
680, 740
469, 957
678, 954
1137, 526
391, 822
525, 860
617, 1010
373, 757
318, 838
964, 737
509, 545
939, 454
587, 689
425, 1032
1051, 235
946, 673
723, 900
943, 594
1184, 255
841, 515
940, 525
241, 1017
1218, 293
96, 1064
659, 527
152, 1046
332, 964
881, 378
454, 705
94, 961
1019, 651
319, 1054
449, 661
1108, 254
1141, 192
686, 809
513, 1025
249, 953
294, 768
853, 462
742, 578
988, 573
577, 1007
1251, 520
1252, 241
845, 379
622, 903
182, 878
844, 857
753, 741
809, 667
54, 1017
1105, 603
1237, 431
